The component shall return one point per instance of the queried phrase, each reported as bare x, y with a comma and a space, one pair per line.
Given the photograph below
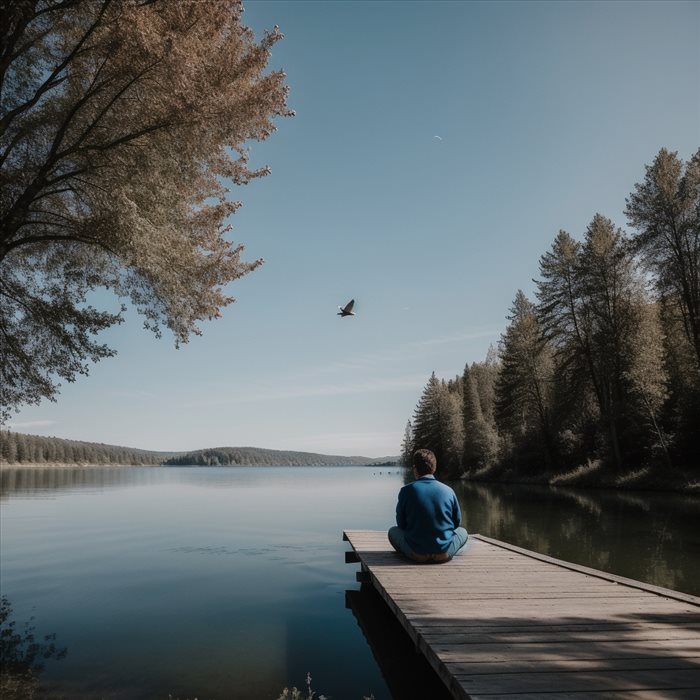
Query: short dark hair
424, 462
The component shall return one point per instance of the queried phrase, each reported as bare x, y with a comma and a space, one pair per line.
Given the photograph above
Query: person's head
424, 462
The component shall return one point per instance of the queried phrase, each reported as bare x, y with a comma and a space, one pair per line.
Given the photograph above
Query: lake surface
223, 583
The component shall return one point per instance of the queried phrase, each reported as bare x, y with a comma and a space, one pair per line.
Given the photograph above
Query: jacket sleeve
401, 510
456, 512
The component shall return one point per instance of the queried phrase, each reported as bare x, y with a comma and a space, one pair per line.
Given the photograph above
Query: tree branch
8, 248
52, 80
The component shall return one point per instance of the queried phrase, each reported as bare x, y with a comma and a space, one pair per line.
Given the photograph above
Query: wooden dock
503, 623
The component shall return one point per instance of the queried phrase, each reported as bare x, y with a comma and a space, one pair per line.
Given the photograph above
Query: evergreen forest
257, 456
595, 380
22, 449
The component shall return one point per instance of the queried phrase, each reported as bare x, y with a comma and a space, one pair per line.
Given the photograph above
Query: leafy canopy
121, 123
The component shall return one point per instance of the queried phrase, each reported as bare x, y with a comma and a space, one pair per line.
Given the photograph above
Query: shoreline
73, 465
681, 481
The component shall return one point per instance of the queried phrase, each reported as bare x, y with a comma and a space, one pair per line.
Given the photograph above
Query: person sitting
428, 518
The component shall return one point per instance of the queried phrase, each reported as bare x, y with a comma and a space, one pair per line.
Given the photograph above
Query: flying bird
439, 138
347, 309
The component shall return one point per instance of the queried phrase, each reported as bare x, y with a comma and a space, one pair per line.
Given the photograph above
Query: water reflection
38, 480
199, 582
406, 671
651, 537
23, 656
33, 481
194, 581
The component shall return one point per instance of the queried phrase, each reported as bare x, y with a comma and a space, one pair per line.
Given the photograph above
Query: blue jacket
428, 512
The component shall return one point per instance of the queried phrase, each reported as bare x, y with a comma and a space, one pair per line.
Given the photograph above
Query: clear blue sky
547, 114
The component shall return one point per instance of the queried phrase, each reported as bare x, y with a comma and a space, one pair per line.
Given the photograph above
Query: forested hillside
254, 456
597, 378
19, 448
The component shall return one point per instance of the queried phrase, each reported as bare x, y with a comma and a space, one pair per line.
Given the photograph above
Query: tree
21, 449
406, 458
122, 125
485, 374
590, 300
523, 387
426, 419
8, 447
609, 295
646, 373
451, 430
480, 435
560, 311
665, 210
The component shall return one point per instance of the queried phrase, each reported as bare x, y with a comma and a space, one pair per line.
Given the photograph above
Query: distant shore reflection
17, 480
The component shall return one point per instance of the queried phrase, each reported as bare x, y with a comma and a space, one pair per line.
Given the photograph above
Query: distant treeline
256, 456
600, 373
20, 448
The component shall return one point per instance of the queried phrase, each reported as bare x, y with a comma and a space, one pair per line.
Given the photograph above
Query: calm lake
230, 582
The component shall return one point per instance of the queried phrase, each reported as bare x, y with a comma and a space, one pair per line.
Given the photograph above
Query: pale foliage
480, 437
449, 405
121, 125
646, 368
665, 210
646, 372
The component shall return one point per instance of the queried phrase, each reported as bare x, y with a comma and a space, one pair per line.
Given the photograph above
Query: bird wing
349, 305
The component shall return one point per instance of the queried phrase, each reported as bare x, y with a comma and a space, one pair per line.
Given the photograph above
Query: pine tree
407, 446
481, 442
589, 305
665, 210
523, 387
609, 291
559, 311
451, 436
21, 449
426, 419
437, 424
8, 451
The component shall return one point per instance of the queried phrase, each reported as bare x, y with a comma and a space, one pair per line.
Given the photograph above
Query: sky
436, 151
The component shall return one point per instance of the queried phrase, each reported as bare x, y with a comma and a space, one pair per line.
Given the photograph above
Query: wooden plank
499, 621
455, 609
407, 593
444, 636
567, 665
675, 694
528, 651
677, 595
583, 681
468, 627
447, 635
484, 619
